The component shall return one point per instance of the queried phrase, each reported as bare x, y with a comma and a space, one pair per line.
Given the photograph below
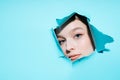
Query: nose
70, 46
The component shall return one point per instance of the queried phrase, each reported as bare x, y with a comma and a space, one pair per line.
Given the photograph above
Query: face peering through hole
75, 40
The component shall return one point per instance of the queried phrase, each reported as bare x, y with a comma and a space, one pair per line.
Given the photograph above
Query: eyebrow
77, 28
59, 36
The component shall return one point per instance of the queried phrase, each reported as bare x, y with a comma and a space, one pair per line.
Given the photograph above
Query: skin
75, 41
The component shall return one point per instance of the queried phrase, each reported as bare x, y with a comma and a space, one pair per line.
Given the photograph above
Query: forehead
73, 26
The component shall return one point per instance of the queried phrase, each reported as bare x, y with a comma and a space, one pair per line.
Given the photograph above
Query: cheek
84, 43
63, 48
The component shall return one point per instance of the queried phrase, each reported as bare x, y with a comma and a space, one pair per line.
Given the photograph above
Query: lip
74, 57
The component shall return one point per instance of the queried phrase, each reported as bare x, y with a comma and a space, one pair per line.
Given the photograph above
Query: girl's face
75, 41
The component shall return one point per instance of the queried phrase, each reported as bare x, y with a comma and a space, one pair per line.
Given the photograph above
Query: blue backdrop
28, 50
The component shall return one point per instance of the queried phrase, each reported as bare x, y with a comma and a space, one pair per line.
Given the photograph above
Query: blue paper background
28, 50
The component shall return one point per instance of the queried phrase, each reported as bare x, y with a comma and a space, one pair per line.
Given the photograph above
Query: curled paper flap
100, 39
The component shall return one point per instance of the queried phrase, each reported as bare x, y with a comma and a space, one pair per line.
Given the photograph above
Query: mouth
74, 57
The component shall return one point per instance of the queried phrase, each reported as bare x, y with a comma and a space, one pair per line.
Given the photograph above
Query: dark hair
83, 19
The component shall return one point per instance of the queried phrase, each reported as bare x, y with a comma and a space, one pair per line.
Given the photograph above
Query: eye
77, 36
61, 42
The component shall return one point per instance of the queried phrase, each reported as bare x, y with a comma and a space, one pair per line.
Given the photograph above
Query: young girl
74, 37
